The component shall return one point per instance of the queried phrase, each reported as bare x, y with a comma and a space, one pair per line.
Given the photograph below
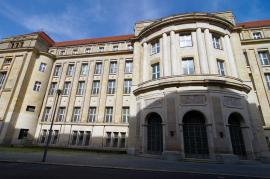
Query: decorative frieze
233, 102
153, 103
193, 99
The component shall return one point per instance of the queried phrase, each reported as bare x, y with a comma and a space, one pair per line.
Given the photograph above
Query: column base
227, 158
172, 155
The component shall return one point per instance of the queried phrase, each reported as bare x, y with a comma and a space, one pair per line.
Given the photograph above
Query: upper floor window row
155, 48
257, 35
42, 67
264, 57
70, 70
216, 42
185, 40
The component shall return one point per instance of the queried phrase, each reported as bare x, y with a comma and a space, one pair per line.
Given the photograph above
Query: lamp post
58, 92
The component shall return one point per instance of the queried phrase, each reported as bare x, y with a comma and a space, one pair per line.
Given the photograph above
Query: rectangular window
111, 87
87, 138
127, 86
185, 40
53, 88
67, 86
75, 51
43, 136
125, 114
216, 42
62, 52
23, 133
101, 49
84, 69
128, 66
155, 71
264, 57
42, 67
80, 140
7, 61
61, 114
123, 140
188, 66
92, 114
115, 139
2, 78
70, 70
30, 108
98, 68
115, 47
80, 89
76, 114
95, 87
74, 137
37, 86
108, 139
88, 50
55, 136
267, 78
257, 35
57, 70
113, 67
155, 48
221, 68
46, 114
108, 114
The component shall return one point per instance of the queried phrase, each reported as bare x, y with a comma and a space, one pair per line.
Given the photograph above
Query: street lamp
58, 93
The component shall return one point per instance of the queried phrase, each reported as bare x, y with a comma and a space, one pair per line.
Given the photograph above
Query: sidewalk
132, 162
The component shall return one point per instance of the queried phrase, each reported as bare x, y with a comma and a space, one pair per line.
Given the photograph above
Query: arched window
154, 134
238, 145
195, 135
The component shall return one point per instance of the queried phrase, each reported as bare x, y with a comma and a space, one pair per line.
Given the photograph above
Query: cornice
255, 41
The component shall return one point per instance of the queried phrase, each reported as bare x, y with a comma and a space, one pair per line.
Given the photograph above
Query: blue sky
76, 19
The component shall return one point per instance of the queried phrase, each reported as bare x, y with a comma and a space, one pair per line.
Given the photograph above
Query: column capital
164, 34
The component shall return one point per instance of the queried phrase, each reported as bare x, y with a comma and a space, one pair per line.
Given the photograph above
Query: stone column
145, 66
209, 48
165, 59
202, 52
230, 55
175, 64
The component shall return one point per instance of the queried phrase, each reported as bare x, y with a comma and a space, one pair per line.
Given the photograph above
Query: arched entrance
238, 145
154, 134
195, 135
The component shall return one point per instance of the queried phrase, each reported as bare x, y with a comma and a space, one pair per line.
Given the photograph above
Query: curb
130, 168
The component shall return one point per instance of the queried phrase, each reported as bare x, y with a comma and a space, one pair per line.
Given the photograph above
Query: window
101, 49
155, 71
92, 114
108, 114
267, 77
216, 42
62, 52
76, 114
42, 67
55, 136
115, 47
46, 114
23, 133
84, 69
70, 70
87, 50
128, 66
95, 87
43, 136
108, 139
74, 137
53, 88
123, 140
115, 139
130, 48
80, 139
127, 86
67, 86
87, 138
57, 70
7, 61
185, 40
264, 57
75, 51
2, 78
188, 66
98, 68
80, 89
113, 67
30, 108
155, 48
246, 58
111, 87
221, 68
257, 35
37, 86
61, 114
125, 114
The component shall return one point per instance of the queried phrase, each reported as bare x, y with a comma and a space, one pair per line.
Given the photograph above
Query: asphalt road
39, 171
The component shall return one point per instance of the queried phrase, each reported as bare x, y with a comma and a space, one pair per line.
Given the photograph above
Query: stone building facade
185, 86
